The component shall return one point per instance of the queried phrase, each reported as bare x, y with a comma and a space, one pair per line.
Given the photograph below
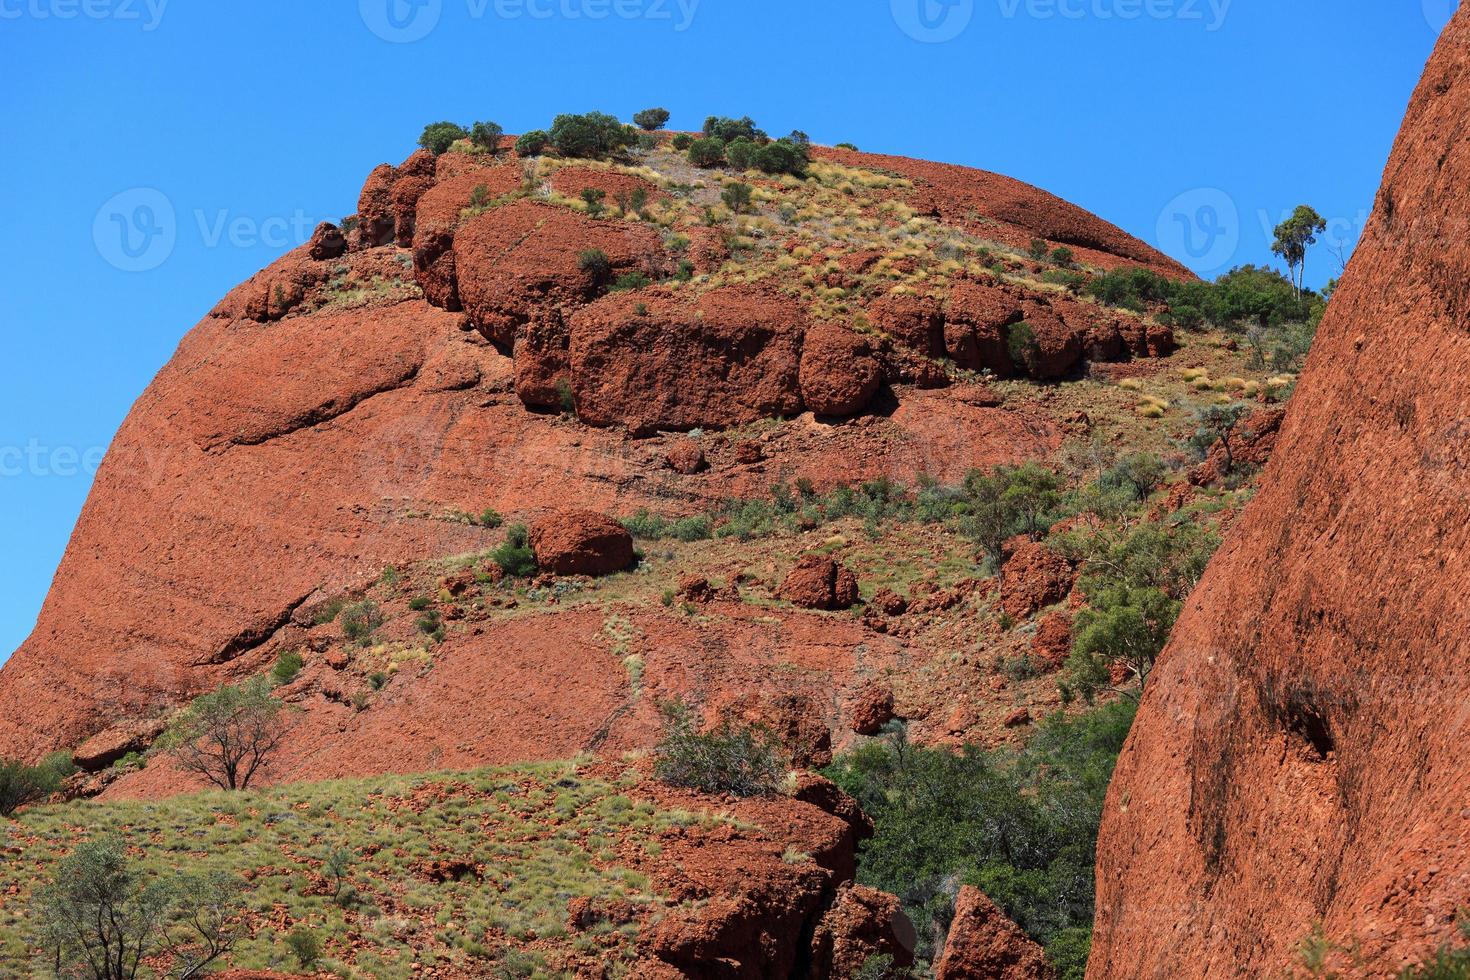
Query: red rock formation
861, 923
839, 370
1251, 444
1033, 578
575, 542
1298, 757
653, 361
818, 582
872, 708
985, 945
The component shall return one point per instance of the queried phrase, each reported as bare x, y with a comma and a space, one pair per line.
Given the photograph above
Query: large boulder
1033, 578
111, 744
578, 542
523, 261
1298, 759
862, 923
375, 222
976, 318
839, 372
438, 214
652, 360
818, 582
984, 944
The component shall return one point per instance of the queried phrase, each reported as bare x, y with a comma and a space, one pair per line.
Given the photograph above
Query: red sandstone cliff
1300, 752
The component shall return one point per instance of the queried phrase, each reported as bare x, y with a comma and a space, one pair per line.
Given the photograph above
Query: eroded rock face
862, 923
652, 361
576, 542
818, 582
839, 373
1034, 578
1298, 756
984, 944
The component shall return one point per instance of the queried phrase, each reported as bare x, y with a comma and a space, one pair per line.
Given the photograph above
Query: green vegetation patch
447, 869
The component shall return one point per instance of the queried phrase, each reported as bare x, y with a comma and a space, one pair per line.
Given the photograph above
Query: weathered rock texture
1299, 756
985, 945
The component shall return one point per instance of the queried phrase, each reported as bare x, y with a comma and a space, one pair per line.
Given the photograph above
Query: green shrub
651, 119
1062, 255
741, 153
630, 281
429, 622
490, 517
21, 784
782, 157
533, 143
682, 142
1037, 250
440, 136
514, 556
707, 153
737, 197
419, 603
592, 197
728, 759
727, 130
847, 146
1021, 346
360, 620
591, 135
486, 135
288, 665
304, 946
1020, 824
596, 264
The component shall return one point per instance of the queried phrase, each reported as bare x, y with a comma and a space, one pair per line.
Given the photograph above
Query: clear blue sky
1190, 123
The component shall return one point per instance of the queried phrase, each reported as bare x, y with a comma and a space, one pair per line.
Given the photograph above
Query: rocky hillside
344, 409
1298, 760
872, 457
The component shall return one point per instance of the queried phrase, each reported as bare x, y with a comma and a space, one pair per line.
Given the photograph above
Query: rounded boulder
575, 542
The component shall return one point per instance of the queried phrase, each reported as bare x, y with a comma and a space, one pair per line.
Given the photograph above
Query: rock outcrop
575, 542
818, 582
983, 944
1298, 757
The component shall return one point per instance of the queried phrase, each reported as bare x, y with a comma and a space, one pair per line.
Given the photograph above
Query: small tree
229, 735
590, 135
737, 197
1293, 237
728, 759
682, 141
440, 136
650, 120
99, 918
486, 135
1216, 425
305, 946
726, 129
21, 784
707, 153
533, 143
1122, 625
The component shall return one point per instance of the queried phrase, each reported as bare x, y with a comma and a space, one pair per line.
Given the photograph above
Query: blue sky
231, 128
